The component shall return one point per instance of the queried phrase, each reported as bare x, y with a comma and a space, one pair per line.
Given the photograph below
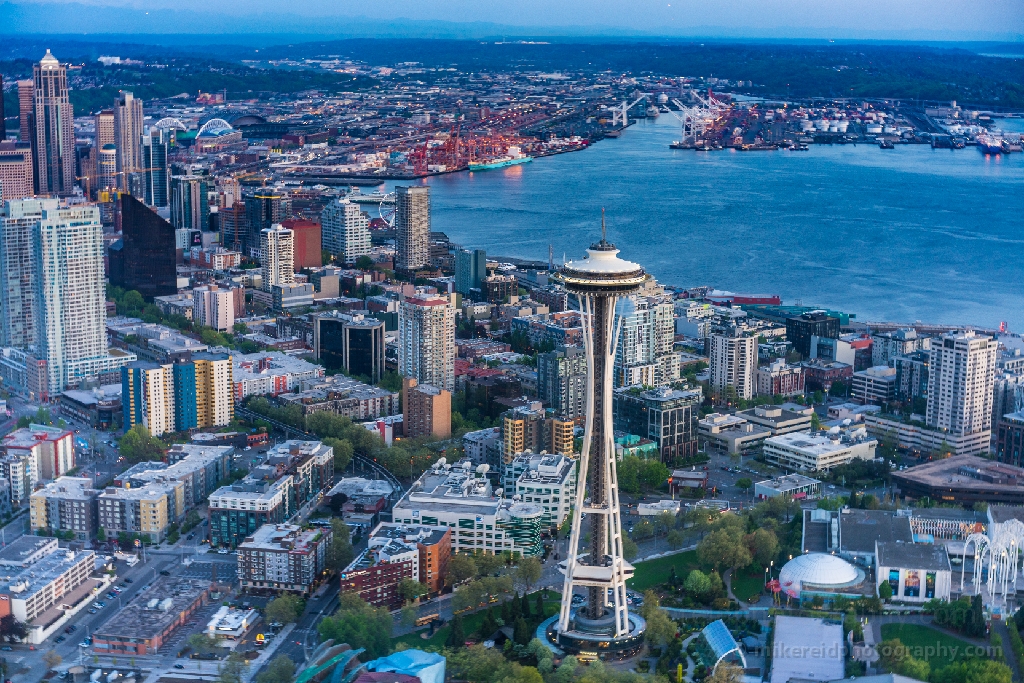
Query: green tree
726, 672
488, 563
343, 452
284, 609
232, 669
697, 584
764, 546
461, 567
973, 671
724, 549
409, 615
885, 590
529, 571
101, 534
410, 590
280, 670
201, 644
339, 552
521, 632
629, 548
660, 628
456, 636
359, 625
675, 539
138, 445
364, 263
489, 624
744, 483
52, 659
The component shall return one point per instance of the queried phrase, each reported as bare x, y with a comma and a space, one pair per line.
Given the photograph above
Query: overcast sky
954, 19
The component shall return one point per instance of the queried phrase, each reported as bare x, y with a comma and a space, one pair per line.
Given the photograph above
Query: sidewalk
267, 654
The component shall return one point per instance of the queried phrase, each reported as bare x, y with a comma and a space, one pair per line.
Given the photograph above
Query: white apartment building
272, 373
345, 230
213, 307
644, 352
426, 341
18, 303
961, 377
277, 255
818, 452
886, 346
733, 363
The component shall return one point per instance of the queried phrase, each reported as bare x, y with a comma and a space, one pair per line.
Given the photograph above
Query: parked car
179, 666
59, 639
129, 581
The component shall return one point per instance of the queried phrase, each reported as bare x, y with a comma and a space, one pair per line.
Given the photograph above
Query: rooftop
358, 486
154, 611
27, 437
425, 534
807, 650
860, 529
913, 556
282, 536
25, 550
788, 482
23, 583
966, 472
69, 488
818, 444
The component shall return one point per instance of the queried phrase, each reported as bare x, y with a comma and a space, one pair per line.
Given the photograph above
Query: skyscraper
3, 112
18, 305
26, 102
263, 209
106, 168
426, 341
644, 353
412, 227
190, 209
146, 252
961, 378
213, 307
562, 381
54, 149
147, 396
128, 136
346, 232
733, 363
277, 255
15, 170
470, 270
307, 236
71, 313
154, 164
103, 123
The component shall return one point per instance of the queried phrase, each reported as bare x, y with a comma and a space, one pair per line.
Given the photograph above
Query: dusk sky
935, 19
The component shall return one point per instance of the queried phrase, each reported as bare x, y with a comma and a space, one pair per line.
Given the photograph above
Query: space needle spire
604, 621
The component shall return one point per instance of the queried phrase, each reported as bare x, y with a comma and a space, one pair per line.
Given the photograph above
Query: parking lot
226, 570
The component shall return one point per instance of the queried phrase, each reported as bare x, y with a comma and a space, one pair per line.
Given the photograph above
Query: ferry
514, 157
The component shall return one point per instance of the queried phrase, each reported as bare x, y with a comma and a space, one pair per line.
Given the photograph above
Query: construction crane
621, 111
695, 119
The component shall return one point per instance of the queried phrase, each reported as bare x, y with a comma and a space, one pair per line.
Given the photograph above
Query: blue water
902, 235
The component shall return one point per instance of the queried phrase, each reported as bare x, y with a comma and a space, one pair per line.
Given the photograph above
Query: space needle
602, 626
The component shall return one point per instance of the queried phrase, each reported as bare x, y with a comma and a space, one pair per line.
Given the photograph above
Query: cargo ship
514, 157
990, 145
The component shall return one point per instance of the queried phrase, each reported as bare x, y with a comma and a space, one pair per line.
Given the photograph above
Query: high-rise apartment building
204, 392
147, 396
103, 123
733, 363
780, 379
234, 226
277, 256
144, 258
885, 346
190, 208
70, 294
18, 301
128, 130
346, 232
412, 227
666, 416
307, 240
426, 341
54, 145
15, 170
961, 375
531, 428
263, 210
106, 167
67, 504
800, 329
26, 108
154, 167
213, 307
470, 270
644, 352
427, 410
562, 381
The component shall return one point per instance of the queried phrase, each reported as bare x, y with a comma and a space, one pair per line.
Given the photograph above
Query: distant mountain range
184, 27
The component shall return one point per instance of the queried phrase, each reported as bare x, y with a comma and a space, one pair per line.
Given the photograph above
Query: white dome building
819, 572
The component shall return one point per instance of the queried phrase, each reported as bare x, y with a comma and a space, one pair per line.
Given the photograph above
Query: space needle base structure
602, 625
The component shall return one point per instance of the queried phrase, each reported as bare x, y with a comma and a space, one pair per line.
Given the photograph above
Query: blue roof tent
426, 666
721, 642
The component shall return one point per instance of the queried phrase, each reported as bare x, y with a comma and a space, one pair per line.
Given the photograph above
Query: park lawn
650, 573
470, 625
933, 646
747, 582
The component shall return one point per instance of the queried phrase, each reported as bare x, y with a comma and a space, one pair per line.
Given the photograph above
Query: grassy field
747, 582
652, 572
470, 625
935, 647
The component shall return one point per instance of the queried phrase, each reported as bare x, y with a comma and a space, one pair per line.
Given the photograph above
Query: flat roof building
783, 419
792, 486
26, 550
284, 557
145, 623
807, 650
67, 504
38, 587
732, 433
916, 572
818, 452
964, 479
